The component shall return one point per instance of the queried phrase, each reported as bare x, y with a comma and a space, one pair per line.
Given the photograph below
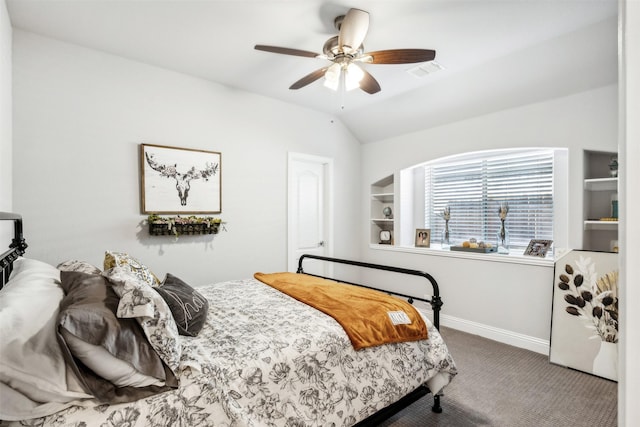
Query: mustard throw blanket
368, 317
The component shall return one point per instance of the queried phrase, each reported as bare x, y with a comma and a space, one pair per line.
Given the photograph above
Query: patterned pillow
140, 301
81, 266
188, 306
121, 259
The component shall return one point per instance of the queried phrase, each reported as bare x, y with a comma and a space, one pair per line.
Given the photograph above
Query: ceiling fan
345, 50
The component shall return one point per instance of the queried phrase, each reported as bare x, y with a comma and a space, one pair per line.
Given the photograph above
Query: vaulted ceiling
494, 54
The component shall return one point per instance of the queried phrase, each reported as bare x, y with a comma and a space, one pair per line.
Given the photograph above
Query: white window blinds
474, 186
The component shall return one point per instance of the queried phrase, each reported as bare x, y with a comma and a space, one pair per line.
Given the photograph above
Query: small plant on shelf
178, 225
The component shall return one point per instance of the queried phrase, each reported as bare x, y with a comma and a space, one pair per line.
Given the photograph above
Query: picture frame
423, 237
538, 248
175, 180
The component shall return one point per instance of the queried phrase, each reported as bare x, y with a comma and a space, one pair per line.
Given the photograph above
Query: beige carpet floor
502, 385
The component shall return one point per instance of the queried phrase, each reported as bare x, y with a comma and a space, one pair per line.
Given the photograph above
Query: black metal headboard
17, 246
435, 301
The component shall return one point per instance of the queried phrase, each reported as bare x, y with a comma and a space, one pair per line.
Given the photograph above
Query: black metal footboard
436, 304
435, 301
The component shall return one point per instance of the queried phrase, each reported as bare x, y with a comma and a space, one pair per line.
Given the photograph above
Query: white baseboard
501, 335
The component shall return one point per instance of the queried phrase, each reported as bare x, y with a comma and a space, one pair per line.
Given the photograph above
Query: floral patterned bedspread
265, 359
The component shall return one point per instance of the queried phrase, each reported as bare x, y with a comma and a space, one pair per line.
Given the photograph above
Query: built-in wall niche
600, 202
382, 211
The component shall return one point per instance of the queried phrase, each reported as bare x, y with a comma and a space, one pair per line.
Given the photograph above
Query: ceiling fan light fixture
352, 76
332, 76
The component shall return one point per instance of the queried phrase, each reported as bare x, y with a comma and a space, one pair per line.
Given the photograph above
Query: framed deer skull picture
180, 180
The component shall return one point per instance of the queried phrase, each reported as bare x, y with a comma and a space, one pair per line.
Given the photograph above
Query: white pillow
31, 360
34, 269
106, 365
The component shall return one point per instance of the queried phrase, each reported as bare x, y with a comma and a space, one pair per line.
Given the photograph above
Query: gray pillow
188, 307
88, 311
76, 265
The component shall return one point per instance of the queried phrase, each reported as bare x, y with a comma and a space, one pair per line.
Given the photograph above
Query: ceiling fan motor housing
332, 50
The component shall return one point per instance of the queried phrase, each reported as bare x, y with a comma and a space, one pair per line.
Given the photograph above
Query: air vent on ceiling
423, 70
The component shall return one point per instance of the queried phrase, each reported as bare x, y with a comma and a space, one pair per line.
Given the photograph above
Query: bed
248, 354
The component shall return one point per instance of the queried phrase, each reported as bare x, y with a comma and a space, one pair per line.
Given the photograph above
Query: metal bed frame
18, 247
436, 304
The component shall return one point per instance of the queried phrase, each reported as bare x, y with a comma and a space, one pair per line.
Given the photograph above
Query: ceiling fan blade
353, 30
287, 51
309, 78
398, 56
369, 84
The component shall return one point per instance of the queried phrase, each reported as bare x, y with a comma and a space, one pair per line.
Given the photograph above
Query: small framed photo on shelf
423, 237
385, 237
538, 248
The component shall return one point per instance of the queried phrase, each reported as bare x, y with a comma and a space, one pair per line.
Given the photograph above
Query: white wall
5, 109
502, 299
79, 116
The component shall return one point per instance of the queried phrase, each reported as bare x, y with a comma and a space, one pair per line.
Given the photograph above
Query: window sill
490, 257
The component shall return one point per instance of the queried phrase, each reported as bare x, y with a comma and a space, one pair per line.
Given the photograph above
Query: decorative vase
446, 241
502, 243
613, 167
605, 364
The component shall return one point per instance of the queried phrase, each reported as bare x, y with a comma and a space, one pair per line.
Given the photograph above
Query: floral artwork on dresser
584, 330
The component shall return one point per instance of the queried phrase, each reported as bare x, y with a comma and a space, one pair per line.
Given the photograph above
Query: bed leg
436, 405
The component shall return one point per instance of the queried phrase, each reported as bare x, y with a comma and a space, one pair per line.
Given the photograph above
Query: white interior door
309, 221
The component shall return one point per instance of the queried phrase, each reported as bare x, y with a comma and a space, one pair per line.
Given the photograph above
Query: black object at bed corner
16, 248
436, 304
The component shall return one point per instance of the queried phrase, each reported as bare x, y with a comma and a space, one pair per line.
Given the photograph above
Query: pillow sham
32, 363
121, 259
141, 302
75, 265
188, 307
104, 364
88, 312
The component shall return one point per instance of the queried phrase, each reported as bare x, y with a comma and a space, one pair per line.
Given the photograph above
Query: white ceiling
497, 53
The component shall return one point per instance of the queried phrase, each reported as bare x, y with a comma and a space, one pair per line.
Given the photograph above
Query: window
474, 185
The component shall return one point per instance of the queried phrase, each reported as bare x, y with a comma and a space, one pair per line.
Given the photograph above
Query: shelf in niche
600, 189
383, 197
600, 225
601, 184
